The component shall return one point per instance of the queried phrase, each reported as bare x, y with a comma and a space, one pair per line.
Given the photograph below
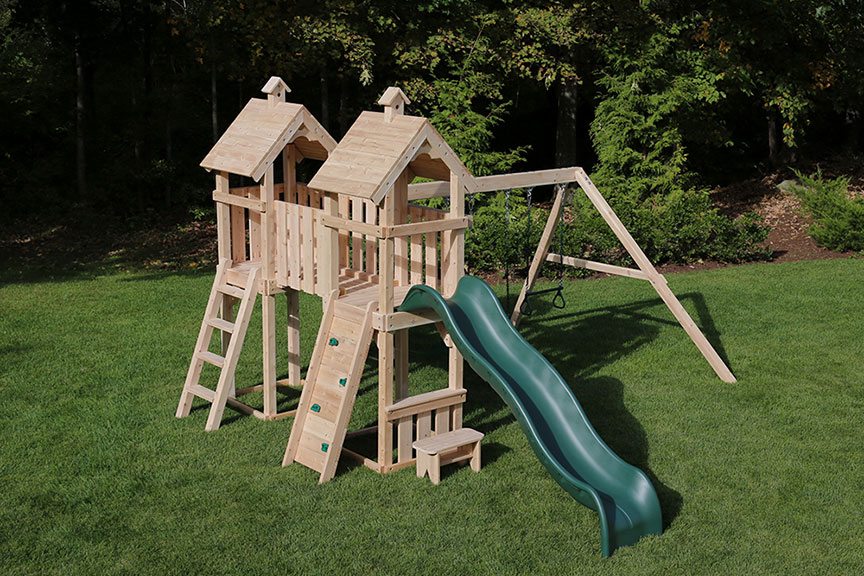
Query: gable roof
374, 152
260, 132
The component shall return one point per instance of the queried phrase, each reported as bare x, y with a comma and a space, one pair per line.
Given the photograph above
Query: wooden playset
353, 237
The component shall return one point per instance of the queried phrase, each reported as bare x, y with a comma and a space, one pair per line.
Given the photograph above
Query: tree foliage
675, 97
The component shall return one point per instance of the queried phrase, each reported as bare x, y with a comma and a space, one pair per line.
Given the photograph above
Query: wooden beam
401, 230
496, 182
357, 226
525, 179
234, 200
596, 266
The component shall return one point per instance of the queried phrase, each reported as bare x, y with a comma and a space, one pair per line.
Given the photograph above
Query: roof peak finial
276, 89
394, 102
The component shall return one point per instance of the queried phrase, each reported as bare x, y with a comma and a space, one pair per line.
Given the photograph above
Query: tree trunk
775, 145
214, 104
343, 105
854, 127
566, 137
80, 120
325, 101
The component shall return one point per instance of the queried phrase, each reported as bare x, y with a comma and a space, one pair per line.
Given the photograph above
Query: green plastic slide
546, 409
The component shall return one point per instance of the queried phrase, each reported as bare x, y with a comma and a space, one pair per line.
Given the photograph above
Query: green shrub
838, 219
681, 227
492, 243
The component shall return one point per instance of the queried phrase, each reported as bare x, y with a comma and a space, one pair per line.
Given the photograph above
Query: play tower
352, 238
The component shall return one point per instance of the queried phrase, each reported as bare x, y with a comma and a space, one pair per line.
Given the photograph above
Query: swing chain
507, 241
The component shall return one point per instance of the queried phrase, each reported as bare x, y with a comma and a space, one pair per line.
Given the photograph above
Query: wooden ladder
331, 387
228, 363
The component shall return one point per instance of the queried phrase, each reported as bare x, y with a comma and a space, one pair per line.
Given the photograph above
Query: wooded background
111, 104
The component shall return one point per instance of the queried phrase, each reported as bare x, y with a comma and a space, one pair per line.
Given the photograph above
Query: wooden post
268, 300
400, 196
454, 271
223, 234
540, 254
328, 251
386, 343
289, 172
293, 298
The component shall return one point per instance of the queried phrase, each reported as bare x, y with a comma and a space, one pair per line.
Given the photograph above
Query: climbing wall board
331, 387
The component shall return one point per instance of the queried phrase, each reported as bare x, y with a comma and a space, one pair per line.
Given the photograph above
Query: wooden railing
414, 417
420, 244
418, 258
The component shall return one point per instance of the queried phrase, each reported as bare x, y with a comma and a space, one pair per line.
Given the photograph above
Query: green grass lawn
763, 476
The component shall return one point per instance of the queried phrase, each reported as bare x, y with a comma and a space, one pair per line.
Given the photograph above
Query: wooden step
212, 358
202, 392
230, 290
222, 325
448, 441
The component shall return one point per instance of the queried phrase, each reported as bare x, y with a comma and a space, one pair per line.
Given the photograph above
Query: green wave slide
548, 412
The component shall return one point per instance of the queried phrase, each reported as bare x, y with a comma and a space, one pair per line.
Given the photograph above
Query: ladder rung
223, 325
202, 392
231, 290
212, 358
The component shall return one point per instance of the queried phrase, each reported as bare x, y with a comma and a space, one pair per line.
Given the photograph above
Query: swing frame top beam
497, 182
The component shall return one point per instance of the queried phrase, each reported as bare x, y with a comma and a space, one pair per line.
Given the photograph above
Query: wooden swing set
354, 236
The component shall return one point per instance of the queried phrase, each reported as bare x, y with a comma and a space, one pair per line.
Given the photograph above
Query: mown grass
763, 476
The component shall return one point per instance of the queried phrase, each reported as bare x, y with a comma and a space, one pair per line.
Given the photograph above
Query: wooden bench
446, 448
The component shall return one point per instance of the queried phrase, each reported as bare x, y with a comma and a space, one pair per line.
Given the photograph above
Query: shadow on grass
598, 337
83, 243
602, 399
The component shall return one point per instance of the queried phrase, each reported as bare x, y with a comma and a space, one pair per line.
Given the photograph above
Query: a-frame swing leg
540, 254
655, 278
658, 282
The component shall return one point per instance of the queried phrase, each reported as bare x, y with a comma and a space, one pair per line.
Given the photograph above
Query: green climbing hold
316, 408
333, 342
324, 446
343, 381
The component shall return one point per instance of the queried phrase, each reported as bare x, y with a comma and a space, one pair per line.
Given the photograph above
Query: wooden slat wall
418, 256
297, 232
